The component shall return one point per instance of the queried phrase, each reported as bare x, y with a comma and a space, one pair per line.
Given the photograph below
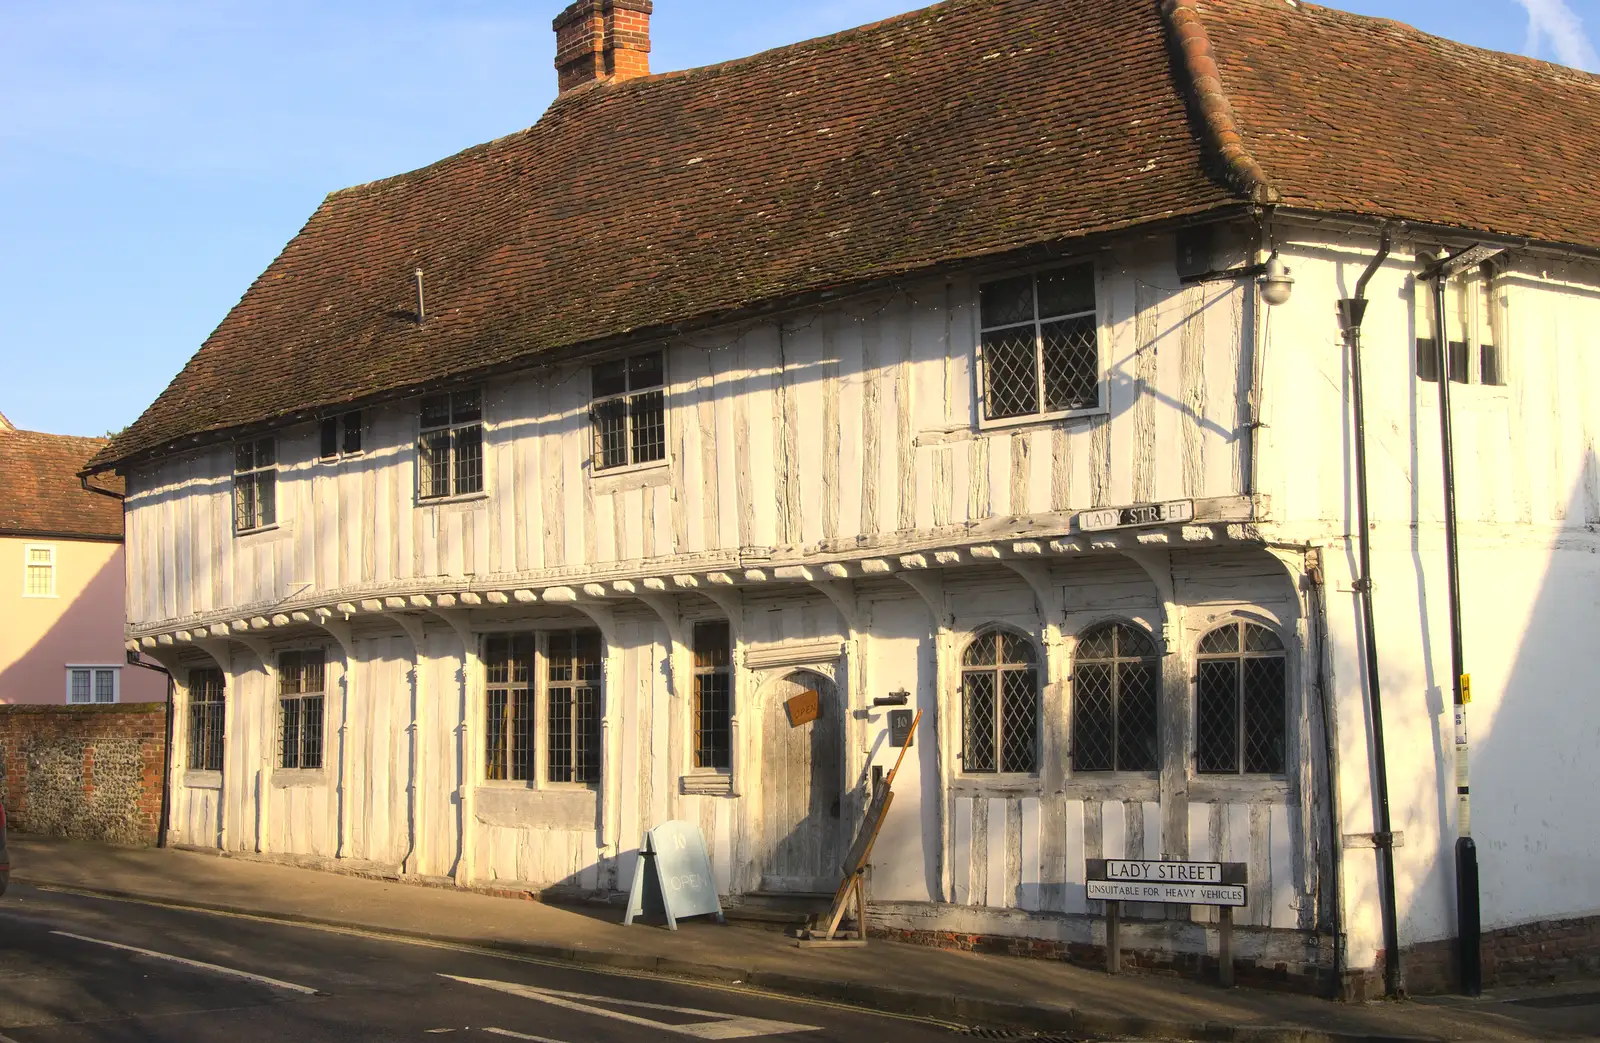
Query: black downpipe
1351, 311
1468, 912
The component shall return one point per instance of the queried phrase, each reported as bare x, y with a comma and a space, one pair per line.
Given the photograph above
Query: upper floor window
1474, 312
450, 445
713, 695
255, 484
300, 719
205, 719
629, 411
1000, 704
93, 684
341, 435
1116, 677
1240, 718
38, 571
1040, 351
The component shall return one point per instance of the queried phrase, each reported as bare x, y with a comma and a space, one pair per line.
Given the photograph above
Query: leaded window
450, 445
255, 484
629, 411
206, 718
1041, 346
999, 704
509, 720
300, 700
1116, 684
1240, 693
341, 436
713, 695
572, 694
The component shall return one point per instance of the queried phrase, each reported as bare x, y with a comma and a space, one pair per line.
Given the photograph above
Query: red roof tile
971, 128
40, 492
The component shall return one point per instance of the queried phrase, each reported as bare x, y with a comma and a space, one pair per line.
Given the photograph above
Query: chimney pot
602, 40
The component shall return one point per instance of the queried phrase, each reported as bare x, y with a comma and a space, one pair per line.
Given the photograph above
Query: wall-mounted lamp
900, 698
1275, 281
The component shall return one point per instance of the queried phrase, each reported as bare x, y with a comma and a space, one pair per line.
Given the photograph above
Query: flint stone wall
88, 772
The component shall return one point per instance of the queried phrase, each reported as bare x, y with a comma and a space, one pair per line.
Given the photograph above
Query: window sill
707, 784
291, 778
196, 778
631, 476
1038, 419
447, 501
1237, 788
240, 533
42, 597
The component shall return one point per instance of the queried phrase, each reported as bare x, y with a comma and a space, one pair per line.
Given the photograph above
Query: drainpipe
1468, 911
1351, 311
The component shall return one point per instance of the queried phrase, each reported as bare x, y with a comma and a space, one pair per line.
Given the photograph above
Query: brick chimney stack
602, 40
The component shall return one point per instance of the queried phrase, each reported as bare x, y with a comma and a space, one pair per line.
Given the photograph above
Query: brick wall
1536, 953
92, 772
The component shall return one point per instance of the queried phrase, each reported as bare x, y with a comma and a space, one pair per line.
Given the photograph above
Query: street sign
1171, 512
673, 876
1182, 883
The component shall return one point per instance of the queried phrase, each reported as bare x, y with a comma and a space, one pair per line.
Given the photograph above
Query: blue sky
155, 156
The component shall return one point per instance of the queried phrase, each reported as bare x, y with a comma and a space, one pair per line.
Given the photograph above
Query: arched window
1239, 695
1116, 684
1000, 704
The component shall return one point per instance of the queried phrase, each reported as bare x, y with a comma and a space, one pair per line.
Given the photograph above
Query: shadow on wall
38, 675
1534, 725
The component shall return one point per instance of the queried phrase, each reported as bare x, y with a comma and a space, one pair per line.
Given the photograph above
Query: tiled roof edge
1192, 45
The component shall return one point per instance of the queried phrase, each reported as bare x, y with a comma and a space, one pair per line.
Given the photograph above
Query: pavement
991, 993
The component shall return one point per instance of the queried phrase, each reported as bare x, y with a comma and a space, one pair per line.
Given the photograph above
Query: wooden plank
979, 869
904, 406
1285, 912
1030, 895
961, 856
1236, 843
871, 419
995, 894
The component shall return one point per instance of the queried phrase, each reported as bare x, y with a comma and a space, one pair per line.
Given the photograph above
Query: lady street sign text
1184, 883
1129, 517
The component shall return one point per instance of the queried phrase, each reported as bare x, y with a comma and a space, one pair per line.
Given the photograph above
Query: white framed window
94, 684
255, 485
1039, 351
340, 436
629, 411
1475, 313
38, 570
450, 445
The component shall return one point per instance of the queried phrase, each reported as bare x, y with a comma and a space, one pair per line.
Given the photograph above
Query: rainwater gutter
1351, 312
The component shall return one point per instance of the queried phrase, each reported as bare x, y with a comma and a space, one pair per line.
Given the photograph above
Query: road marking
263, 979
724, 1026
522, 1035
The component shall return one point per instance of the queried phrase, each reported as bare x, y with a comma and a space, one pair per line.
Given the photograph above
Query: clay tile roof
39, 489
969, 129
1369, 116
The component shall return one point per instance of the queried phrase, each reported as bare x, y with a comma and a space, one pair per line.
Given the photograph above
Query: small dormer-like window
341, 435
1040, 345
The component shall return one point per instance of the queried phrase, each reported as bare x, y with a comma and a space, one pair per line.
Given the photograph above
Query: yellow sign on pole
1466, 688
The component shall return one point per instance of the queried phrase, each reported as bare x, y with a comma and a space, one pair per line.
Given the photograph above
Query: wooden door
801, 821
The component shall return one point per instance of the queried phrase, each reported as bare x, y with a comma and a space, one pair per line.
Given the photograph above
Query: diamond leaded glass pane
1216, 718
978, 752
1137, 706
981, 651
1018, 649
1071, 364
1066, 291
1260, 639
1006, 301
1093, 718
1019, 721
1133, 643
1220, 641
1264, 723
1010, 372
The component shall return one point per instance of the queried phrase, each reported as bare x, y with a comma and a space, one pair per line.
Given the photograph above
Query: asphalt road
76, 968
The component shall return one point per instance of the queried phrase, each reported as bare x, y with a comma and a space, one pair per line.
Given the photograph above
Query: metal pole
1468, 913
1352, 311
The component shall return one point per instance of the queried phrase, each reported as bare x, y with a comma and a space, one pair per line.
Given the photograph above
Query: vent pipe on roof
422, 313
